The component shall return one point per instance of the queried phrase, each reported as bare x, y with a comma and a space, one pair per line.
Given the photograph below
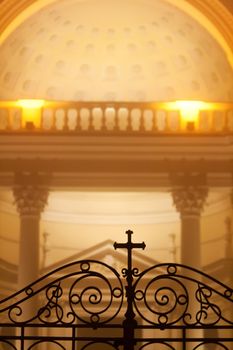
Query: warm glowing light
189, 110
31, 104
31, 113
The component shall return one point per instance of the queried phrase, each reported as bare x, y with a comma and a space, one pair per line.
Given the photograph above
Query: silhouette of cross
129, 245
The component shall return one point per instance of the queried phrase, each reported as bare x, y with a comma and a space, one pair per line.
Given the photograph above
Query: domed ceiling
122, 50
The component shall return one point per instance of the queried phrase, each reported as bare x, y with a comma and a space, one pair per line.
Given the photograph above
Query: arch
59, 346
222, 346
96, 343
12, 346
168, 346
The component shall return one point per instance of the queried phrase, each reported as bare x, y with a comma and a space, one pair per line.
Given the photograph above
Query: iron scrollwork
87, 291
90, 296
178, 293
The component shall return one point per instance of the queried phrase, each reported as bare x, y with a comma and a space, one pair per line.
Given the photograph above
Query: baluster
225, 124
203, 121
4, 119
96, 122
135, 122
227, 114
123, 119
53, 125
142, 119
78, 125
211, 120
104, 128
128, 120
8, 124
161, 120
154, 121
102, 120
41, 126
167, 127
117, 121
148, 120
85, 119
60, 119
65, 119
91, 120
110, 115
16, 119
174, 121
72, 119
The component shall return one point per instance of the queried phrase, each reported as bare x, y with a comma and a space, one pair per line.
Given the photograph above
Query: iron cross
129, 245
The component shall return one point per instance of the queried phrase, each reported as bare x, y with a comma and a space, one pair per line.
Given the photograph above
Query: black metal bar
73, 338
183, 339
22, 339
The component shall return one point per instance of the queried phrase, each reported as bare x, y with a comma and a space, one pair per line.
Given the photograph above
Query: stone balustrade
115, 118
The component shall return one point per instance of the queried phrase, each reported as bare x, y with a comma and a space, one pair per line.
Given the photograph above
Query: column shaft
30, 200
28, 250
191, 241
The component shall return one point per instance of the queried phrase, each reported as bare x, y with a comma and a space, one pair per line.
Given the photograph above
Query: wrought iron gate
86, 305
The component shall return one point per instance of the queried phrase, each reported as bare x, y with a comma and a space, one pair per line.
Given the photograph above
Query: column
189, 201
30, 201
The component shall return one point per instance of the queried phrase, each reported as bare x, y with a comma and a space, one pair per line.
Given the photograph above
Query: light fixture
188, 110
31, 113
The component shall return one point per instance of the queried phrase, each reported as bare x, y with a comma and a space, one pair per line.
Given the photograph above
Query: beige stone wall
214, 236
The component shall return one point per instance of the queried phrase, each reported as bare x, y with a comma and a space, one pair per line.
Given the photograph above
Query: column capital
30, 199
189, 200
31, 192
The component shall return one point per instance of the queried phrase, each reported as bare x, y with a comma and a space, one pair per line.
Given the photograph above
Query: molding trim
148, 218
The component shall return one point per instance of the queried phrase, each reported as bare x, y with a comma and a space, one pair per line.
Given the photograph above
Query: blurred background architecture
93, 140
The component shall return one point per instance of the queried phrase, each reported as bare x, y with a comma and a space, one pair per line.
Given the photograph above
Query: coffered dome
123, 50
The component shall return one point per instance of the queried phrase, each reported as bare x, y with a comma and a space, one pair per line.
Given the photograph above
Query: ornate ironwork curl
90, 304
164, 298
88, 291
174, 293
